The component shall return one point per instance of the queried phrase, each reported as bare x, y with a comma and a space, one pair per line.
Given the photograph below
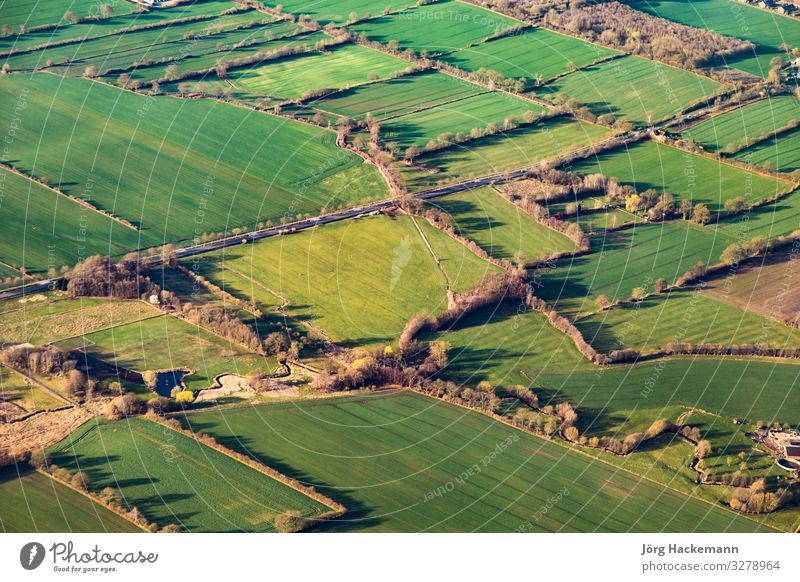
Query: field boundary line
92, 498
426, 242
336, 509
577, 449
75, 199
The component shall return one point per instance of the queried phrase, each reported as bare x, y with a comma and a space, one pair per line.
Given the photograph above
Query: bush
290, 522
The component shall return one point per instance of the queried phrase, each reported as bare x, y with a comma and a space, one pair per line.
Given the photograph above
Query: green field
764, 28
174, 479
778, 218
500, 227
733, 127
23, 396
648, 164
682, 316
123, 20
325, 11
54, 318
625, 259
165, 42
166, 342
179, 168
507, 346
292, 77
34, 503
398, 96
537, 54
44, 230
44, 12
380, 455
437, 28
633, 88
458, 116
360, 282
764, 287
781, 153
505, 151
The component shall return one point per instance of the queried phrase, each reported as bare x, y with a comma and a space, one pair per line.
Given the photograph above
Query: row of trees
617, 25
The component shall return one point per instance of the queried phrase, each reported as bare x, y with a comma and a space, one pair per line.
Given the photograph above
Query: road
350, 213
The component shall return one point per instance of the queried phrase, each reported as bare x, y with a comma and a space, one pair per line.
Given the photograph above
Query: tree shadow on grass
358, 513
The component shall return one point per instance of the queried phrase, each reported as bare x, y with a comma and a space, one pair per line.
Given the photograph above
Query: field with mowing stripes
398, 96
123, 50
120, 22
502, 152
46, 12
626, 259
781, 153
537, 54
507, 346
393, 449
325, 11
188, 483
292, 77
632, 88
458, 116
732, 128
499, 227
359, 282
172, 166
439, 27
43, 229
35, 503
649, 325
647, 164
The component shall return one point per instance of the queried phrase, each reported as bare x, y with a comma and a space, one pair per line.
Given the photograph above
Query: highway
358, 211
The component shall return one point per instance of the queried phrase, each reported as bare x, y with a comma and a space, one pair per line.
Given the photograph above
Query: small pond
166, 381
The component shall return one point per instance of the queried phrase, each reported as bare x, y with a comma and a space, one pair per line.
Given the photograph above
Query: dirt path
447, 281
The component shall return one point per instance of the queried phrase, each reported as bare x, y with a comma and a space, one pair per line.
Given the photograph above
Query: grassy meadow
360, 282
536, 54
499, 227
633, 88
127, 48
781, 153
166, 342
439, 27
126, 16
292, 77
176, 168
682, 316
44, 230
394, 449
20, 396
399, 96
51, 318
457, 116
502, 152
173, 479
507, 346
325, 11
34, 503
625, 259
732, 128
648, 164
48, 12
764, 287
